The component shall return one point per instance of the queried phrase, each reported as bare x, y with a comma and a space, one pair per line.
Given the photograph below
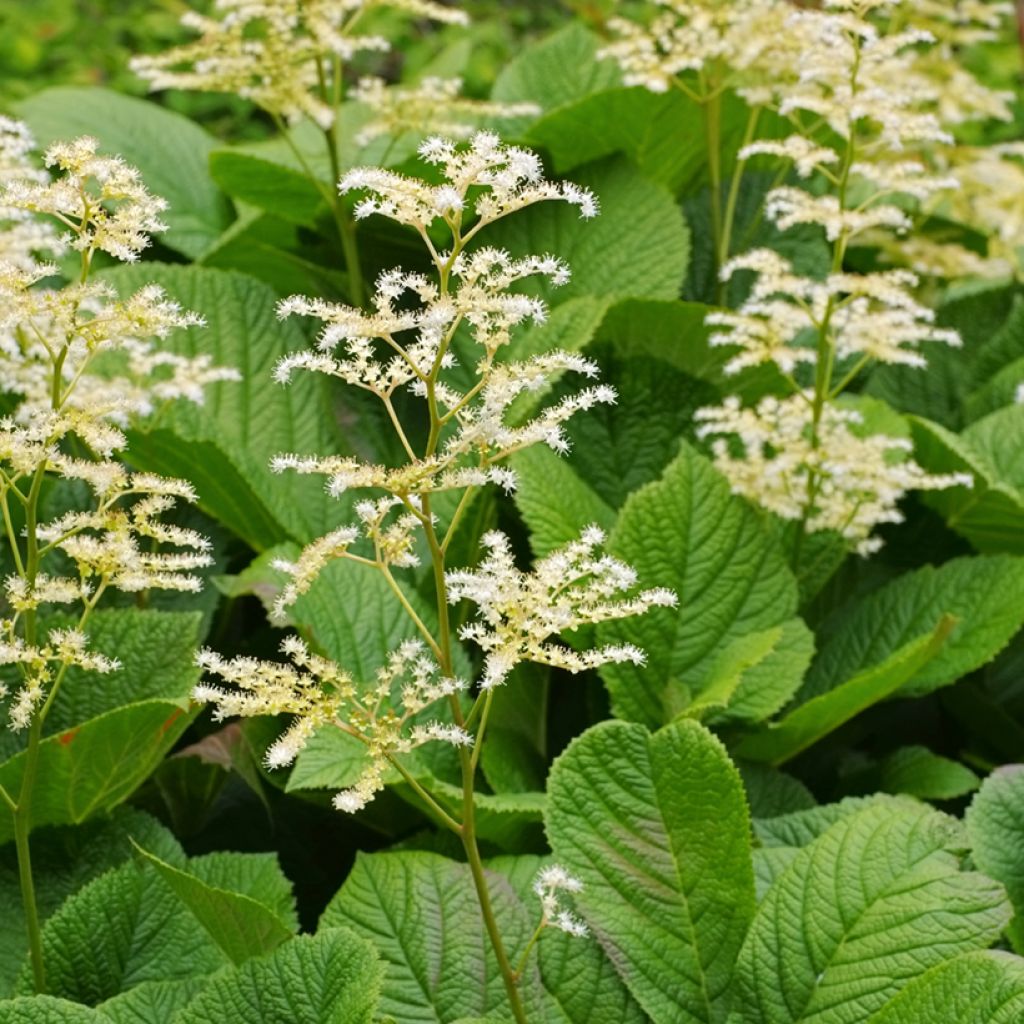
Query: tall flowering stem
420, 325
49, 343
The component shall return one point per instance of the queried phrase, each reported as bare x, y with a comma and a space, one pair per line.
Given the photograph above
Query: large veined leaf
984, 593
556, 70
817, 717
224, 446
268, 185
687, 532
170, 150
241, 923
638, 246
421, 912
976, 988
995, 823
657, 829
152, 1002
329, 978
122, 929
106, 734
990, 513
870, 905
46, 1010
582, 982
918, 772
64, 860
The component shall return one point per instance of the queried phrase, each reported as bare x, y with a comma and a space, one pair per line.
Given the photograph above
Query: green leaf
918, 772
125, 928
46, 1010
329, 978
689, 533
421, 912
63, 860
225, 445
819, 716
995, 824
800, 828
582, 981
984, 593
267, 185
771, 792
990, 514
976, 988
638, 247
872, 904
556, 70
657, 829
240, 923
152, 1002
170, 151
105, 735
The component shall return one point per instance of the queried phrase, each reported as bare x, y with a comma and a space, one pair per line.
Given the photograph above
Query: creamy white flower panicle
521, 615
383, 713
80, 364
434, 106
24, 238
549, 883
279, 54
834, 478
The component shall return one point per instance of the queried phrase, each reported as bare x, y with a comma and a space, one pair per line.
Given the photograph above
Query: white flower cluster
385, 713
279, 54
23, 237
522, 614
54, 344
434, 106
831, 477
551, 881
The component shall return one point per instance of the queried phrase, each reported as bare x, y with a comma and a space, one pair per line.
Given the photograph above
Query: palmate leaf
657, 829
689, 533
872, 904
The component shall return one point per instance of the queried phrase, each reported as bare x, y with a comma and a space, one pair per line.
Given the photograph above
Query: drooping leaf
657, 829
329, 978
170, 150
821, 715
918, 772
984, 593
240, 922
866, 908
687, 532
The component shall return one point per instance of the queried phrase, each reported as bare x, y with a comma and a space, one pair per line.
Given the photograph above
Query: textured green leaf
581, 980
990, 514
46, 1010
267, 185
224, 446
556, 70
153, 1002
995, 824
802, 827
421, 913
63, 860
816, 718
870, 905
638, 247
124, 928
976, 988
687, 532
170, 151
771, 792
918, 772
657, 829
984, 593
329, 978
237, 921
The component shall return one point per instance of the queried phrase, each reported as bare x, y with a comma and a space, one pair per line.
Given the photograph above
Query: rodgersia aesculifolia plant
419, 327
78, 364
868, 89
